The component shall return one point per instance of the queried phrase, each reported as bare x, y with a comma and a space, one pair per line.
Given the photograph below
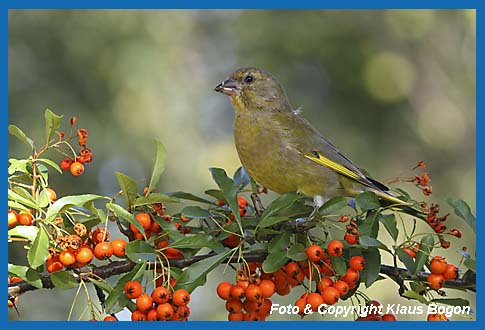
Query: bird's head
254, 89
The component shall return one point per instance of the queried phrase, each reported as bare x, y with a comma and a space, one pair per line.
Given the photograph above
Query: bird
282, 151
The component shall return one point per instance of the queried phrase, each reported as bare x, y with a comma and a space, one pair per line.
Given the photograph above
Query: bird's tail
389, 199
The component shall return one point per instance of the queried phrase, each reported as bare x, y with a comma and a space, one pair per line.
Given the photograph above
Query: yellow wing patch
322, 160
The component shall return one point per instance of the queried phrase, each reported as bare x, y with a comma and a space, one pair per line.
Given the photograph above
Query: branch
121, 267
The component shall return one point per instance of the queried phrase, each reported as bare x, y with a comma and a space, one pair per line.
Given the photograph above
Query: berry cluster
76, 164
248, 298
440, 271
160, 305
70, 251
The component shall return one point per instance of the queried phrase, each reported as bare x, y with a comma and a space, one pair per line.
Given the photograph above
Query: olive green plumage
283, 151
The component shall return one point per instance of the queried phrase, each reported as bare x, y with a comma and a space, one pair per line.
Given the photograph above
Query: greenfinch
282, 151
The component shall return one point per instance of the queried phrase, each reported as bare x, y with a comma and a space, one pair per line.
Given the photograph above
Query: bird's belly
264, 153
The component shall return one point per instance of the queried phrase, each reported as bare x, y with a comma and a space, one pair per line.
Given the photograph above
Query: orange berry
160, 295
342, 287
438, 265
77, 169
132, 289
357, 263
451, 272
138, 316
235, 316
66, 164
110, 318
12, 218
330, 295
314, 300
224, 290
100, 235
144, 219
324, 283
234, 306
67, 258
51, 194
351, 239
144, 303
335, 248
389, 317
314, 253
435, 281
267, 288
119, 246
254, 293
237, 292
53, 265
103, 250
437, 317
25, 218
411, 253
84, 255
181, 297
152, 315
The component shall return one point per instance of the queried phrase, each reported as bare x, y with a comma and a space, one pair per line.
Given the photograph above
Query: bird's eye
249, 79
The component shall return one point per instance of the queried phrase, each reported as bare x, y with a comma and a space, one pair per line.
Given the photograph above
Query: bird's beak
229, 87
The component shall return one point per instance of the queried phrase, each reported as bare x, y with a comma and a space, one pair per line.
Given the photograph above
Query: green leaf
169, 228
28, 232
366, 241
272, 220
139, 251
471, 264
228, 189
153, 198
297, 252
196, 274
116, 295
282, 202
104, 285
29, 275
372, 265
51, 164
463, 211
189, 197
425, 247
241, 178
338, 264
195, 212
452, 301
19, 134
367, 201
410, 294
22, 200
18, 165
63, 280
121, 212
274, 261
39, 250
52, 123
389, 222
158, 165
406, 259
64, 203
128, 188
370, 225
333, 205
217, 194
197, 241
280, 242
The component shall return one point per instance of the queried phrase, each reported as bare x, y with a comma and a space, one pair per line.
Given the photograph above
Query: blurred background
388, 87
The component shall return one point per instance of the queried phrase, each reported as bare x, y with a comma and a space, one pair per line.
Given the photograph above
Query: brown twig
121, 267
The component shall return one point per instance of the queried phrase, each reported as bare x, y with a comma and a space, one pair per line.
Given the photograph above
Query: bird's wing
323, 152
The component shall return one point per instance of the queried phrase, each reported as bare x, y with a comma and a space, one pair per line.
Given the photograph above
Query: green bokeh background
389, 88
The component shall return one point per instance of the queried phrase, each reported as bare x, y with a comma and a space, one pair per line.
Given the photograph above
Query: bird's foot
257, 204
